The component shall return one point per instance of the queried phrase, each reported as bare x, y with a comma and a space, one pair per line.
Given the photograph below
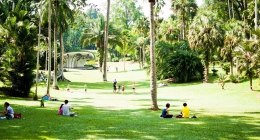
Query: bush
91, 62
178, 62
234, 78
115, 59
226, 68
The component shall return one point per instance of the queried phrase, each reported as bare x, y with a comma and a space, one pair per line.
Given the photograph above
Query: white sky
166, 12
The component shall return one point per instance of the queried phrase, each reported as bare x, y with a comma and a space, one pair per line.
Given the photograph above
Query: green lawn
232, 113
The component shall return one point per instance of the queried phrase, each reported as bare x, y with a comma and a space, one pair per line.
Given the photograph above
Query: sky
166, 12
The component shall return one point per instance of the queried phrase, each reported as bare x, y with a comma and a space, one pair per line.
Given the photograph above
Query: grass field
232, 113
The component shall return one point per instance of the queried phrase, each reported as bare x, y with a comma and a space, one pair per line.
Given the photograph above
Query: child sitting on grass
165, 112
185, 111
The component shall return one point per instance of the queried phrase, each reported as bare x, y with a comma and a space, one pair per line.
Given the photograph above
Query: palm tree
106, 42
233, 37
205, 35
185, 10
49, 47
153, 86
18, 41
256, 14
126, 46
37, 62
169, 30
95, 33
142, 28
249, 57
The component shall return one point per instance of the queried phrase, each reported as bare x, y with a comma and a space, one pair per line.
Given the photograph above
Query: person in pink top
60, 110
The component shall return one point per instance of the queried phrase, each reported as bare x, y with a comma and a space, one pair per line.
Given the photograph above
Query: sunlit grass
232, 113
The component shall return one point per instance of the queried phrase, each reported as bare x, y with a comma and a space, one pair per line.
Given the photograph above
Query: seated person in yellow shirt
185, 111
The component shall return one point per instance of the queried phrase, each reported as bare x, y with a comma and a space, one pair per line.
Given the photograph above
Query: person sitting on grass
185, 111
165, 112
66, 109
9, 112
60, 110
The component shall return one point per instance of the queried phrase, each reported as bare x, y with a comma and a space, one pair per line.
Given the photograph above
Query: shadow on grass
93, 123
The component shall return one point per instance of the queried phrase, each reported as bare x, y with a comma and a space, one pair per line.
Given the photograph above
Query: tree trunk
229, 12
256, 14
61, 56
153, 86
206, 67
106, 44
54, 78
49, 48
231, 66
37, 61
46, 59
143, 57
251, 81
139, 58
124, 61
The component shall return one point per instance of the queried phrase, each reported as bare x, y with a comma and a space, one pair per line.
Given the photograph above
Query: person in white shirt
9, 112
66, 109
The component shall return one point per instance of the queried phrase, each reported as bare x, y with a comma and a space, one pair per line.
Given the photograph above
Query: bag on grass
18, 116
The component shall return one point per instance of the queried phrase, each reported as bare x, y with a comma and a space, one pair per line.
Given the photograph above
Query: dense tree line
223, 29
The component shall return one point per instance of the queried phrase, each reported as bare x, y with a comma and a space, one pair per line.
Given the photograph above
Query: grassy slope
222, 114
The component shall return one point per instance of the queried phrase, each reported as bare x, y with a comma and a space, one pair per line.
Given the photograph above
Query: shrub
234, 78
91, 62
226, 68
115, 59
222, 80
178, 62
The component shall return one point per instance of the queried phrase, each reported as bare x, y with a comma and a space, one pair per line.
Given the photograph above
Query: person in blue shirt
165, 112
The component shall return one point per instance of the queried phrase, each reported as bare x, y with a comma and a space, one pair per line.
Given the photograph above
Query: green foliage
91, 62
115, 59
222, 80
234, 78
249, 57
178, 62
205, 36
226, 67
19, 59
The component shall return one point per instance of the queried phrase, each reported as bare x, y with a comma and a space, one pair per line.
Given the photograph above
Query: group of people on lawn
65, 110
115, 89
185, 112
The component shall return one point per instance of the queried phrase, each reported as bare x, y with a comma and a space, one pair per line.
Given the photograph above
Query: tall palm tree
95, 33
142, 28
169, 30
126, 46
205, 35
249, 57
106, 42
256, 14
233, 37
153, 85
49, 46
185, 10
